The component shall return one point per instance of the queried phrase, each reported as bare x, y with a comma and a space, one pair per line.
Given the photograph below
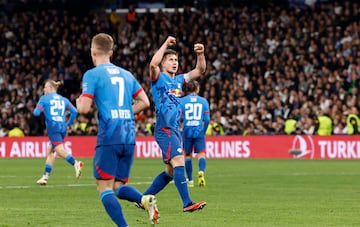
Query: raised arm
200, 67
156, 59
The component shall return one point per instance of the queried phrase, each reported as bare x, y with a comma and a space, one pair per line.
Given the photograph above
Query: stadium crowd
265, 65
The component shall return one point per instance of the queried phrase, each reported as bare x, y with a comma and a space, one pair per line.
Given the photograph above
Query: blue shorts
194, 144
56, 138
170, 143
113, 161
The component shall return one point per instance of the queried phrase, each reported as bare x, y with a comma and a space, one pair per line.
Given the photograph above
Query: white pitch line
60, 185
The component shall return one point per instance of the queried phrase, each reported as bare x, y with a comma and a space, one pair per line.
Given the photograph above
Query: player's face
47, 88
170, 63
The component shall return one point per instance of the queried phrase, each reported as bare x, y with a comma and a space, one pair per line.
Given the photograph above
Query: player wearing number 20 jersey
196, 118
109, 86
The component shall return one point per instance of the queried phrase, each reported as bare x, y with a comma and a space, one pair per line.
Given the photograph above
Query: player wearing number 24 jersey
54, 107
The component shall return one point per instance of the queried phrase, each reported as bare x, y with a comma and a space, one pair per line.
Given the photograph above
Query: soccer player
166, 88
196, 118
55, 107
117, 96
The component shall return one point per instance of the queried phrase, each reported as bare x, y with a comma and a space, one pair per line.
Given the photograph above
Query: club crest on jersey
176, 92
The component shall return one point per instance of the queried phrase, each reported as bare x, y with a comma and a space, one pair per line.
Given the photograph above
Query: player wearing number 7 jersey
117, 96
196, 117
55, 107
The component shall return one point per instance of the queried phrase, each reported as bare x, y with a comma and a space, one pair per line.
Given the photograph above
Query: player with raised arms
166, 88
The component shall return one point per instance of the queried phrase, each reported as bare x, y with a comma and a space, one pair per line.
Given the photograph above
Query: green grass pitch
239, 193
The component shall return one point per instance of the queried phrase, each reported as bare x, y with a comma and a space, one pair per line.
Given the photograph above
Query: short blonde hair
103, 43
53, 83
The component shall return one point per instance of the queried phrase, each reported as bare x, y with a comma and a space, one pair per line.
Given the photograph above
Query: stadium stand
265, 65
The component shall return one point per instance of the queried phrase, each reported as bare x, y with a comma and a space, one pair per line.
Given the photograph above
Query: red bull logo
176, 92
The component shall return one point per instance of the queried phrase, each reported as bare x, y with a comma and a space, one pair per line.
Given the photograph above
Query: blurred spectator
215, 129
353, 122
290, 126
116, 22
15, 131
324, 125
131, 16
3, 132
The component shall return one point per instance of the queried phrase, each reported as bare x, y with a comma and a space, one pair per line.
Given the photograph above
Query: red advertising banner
279, 147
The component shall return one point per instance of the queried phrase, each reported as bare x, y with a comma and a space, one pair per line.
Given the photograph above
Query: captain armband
186, 77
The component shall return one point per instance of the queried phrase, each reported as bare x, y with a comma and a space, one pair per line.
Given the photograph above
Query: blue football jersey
195, 114
166, 92
54, 107
113, 89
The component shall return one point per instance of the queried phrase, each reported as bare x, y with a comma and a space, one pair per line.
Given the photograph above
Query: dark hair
192, 86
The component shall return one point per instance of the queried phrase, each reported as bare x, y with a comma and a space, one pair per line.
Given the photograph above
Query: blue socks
129, 193
70, 159
112, 207
188, 168
158, 184
181, 185
48, 169
163, 179
202, 164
